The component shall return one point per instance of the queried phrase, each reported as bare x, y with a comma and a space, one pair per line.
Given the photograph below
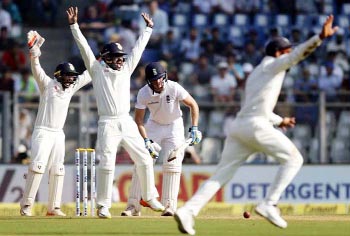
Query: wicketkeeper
48, 140
164, 127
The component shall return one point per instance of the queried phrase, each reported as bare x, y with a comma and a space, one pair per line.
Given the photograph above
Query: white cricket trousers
248, 135
112, 132
48, 150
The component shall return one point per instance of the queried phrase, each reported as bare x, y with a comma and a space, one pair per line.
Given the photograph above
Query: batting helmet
65, 68
112, 49
276, 44
155, 71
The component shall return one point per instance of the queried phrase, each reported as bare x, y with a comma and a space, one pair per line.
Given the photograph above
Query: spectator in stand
13, 9
26, 84
5, 40
250, 7
7, 83
223, 84
296, 36
190, 46
234, 68
251, 54
306, 90
247, 69
161, 26
338, 47
330, 81
214, 43
137, 81
46, 12
14, 57
200, 78
5, 19
170, 48
225, 6
203, 6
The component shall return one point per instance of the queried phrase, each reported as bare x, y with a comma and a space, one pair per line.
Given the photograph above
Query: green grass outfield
156, 225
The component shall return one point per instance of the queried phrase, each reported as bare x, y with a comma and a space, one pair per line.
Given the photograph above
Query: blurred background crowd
208, 46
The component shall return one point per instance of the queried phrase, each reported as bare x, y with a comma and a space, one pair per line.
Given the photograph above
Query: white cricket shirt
54, 101
111, 87
164, 107
264, 83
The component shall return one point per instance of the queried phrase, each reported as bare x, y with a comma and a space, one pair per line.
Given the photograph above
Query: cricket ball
246, 214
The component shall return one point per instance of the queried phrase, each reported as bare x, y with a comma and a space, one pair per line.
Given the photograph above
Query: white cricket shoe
131, 211
55, 212
26, 210
168, 212
103, 212
185, 221
154, 204
272, 214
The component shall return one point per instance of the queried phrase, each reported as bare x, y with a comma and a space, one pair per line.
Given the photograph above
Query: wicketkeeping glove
153, 148
34, 41
195, 134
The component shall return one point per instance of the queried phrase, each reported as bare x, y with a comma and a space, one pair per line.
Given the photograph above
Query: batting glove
153, 148
195, 134
34, 41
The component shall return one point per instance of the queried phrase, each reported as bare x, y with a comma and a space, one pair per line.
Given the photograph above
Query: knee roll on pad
58, 170
172, 168
37, 167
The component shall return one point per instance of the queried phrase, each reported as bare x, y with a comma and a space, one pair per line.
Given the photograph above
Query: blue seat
282, 20
200, 20
262, 20
343, 21
345, 9
241, 20
220, 20
180, 19
236, 36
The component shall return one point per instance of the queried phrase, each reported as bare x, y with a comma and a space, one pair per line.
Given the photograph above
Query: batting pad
56, 179
33, 180
170, 189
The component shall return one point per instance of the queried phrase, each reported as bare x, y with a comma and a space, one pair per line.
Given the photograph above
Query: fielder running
48, 140
165, 127
111, 82
252, 131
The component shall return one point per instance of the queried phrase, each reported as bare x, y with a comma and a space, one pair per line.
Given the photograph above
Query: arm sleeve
82, 80
39, 74
84, 48
275, 119
140, 101
181, 92
286, 61
137, 51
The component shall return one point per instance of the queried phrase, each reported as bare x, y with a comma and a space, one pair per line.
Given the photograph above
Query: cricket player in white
48, 140
111, 82
165, 127
252, 131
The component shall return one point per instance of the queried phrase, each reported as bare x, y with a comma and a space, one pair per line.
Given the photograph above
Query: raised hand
72, 14
34, 42
328, 29
148, 19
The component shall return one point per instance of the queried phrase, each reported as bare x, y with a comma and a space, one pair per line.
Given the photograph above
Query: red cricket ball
246, 214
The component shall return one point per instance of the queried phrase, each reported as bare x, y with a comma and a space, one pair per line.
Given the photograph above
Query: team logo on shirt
167, 99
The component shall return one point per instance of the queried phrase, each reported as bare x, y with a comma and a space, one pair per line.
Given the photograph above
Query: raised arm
141, 43
35, 41
286, 61
84, 48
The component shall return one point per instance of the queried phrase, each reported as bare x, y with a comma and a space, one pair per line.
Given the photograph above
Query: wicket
85, 152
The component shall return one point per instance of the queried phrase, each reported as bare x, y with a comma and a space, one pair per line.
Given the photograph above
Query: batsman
164, 130
48, 139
